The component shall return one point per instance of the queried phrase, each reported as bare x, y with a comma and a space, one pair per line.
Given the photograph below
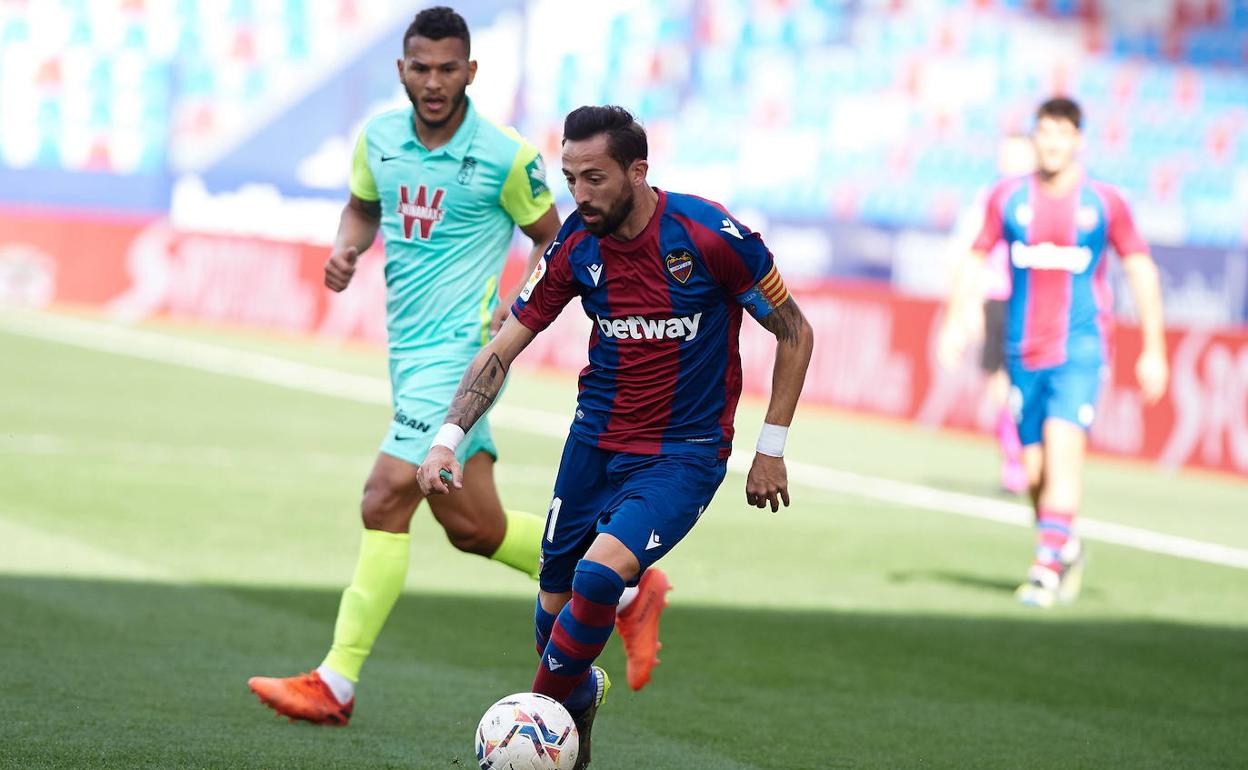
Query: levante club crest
680, 264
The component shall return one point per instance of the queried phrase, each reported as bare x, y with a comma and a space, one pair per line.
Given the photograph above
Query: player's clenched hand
438, 464
500, 316
950, 344
340, 267
767, 482
1152, 372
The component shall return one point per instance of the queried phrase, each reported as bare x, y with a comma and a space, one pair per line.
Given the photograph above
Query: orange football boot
639, 626
302, 697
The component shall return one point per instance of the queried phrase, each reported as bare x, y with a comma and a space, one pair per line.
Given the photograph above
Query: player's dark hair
626, 139
437, 23
1061, 108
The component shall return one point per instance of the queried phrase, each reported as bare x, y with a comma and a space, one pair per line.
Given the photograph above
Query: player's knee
597, 582
386, 506
1035, 480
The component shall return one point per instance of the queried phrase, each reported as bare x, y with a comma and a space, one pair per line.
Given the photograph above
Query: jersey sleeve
525, 196
362, 184
549, 289
1123, 235
742, 264
991, 231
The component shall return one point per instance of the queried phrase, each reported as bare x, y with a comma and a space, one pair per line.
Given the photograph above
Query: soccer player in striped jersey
664, 277
1058, 225
446, 188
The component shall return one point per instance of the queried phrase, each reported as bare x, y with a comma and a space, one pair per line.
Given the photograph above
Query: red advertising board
142, 269
874, 352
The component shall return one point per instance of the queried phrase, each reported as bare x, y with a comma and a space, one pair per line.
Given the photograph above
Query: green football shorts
422, 391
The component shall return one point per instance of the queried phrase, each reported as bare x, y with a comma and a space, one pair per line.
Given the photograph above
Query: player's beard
1051, 171
610, 220
456, 100
1054, 161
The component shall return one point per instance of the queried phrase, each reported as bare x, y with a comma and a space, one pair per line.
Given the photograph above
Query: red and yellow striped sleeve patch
773, 289
765, 296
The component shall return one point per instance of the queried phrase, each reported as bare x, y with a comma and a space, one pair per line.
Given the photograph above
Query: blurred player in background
446, 188
1058, 224
664, 277
1016, 157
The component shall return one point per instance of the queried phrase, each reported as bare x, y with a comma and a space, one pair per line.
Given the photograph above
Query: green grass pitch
166, 533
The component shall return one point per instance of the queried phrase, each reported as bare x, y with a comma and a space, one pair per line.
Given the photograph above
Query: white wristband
449, 436
771, 440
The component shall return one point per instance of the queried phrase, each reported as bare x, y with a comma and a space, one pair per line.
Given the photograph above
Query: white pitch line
972, 506
158, 453
223, 458
164, 348
282, 372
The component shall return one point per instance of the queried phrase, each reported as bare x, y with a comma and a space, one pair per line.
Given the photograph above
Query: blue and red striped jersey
1061, 304
664, 372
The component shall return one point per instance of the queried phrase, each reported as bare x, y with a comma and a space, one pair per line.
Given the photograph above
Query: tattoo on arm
477, 391
785, 322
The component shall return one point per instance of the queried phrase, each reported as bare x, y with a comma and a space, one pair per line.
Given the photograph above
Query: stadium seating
882, 111
127, 86
826, 95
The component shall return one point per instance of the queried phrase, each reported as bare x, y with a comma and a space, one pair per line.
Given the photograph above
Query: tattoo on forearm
785, 322
477, 391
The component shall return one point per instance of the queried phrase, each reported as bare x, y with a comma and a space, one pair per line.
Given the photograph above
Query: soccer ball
527, 731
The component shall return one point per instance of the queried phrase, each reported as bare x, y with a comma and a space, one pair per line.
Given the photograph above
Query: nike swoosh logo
554, 664
397, 437
385, 158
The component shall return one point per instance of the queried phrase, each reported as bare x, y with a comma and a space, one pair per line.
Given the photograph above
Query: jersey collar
647, 235
458, 146
1078, 185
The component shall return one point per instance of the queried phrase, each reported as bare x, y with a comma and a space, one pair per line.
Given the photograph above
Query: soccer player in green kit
446, 187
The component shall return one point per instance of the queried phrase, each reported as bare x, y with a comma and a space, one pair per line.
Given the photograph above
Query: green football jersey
447, 218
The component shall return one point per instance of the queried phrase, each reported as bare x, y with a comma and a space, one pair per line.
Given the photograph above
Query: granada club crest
679, 264
424, 209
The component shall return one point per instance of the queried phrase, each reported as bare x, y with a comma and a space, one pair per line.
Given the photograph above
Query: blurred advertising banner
139, 269
875, 349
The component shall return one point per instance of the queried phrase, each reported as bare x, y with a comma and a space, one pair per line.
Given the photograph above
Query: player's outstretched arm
541, 232
1151, 369
478, 389
767, 481
966, 301
357, 228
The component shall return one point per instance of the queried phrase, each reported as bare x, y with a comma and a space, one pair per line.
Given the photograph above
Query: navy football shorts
648, 502
1066, 392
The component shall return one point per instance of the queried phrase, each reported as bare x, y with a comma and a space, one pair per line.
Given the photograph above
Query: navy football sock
543, 623
580, 632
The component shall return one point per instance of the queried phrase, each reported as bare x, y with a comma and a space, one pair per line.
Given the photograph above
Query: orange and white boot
638, 625
305, 697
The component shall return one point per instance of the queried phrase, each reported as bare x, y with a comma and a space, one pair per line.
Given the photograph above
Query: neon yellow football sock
379, 577
522, 542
